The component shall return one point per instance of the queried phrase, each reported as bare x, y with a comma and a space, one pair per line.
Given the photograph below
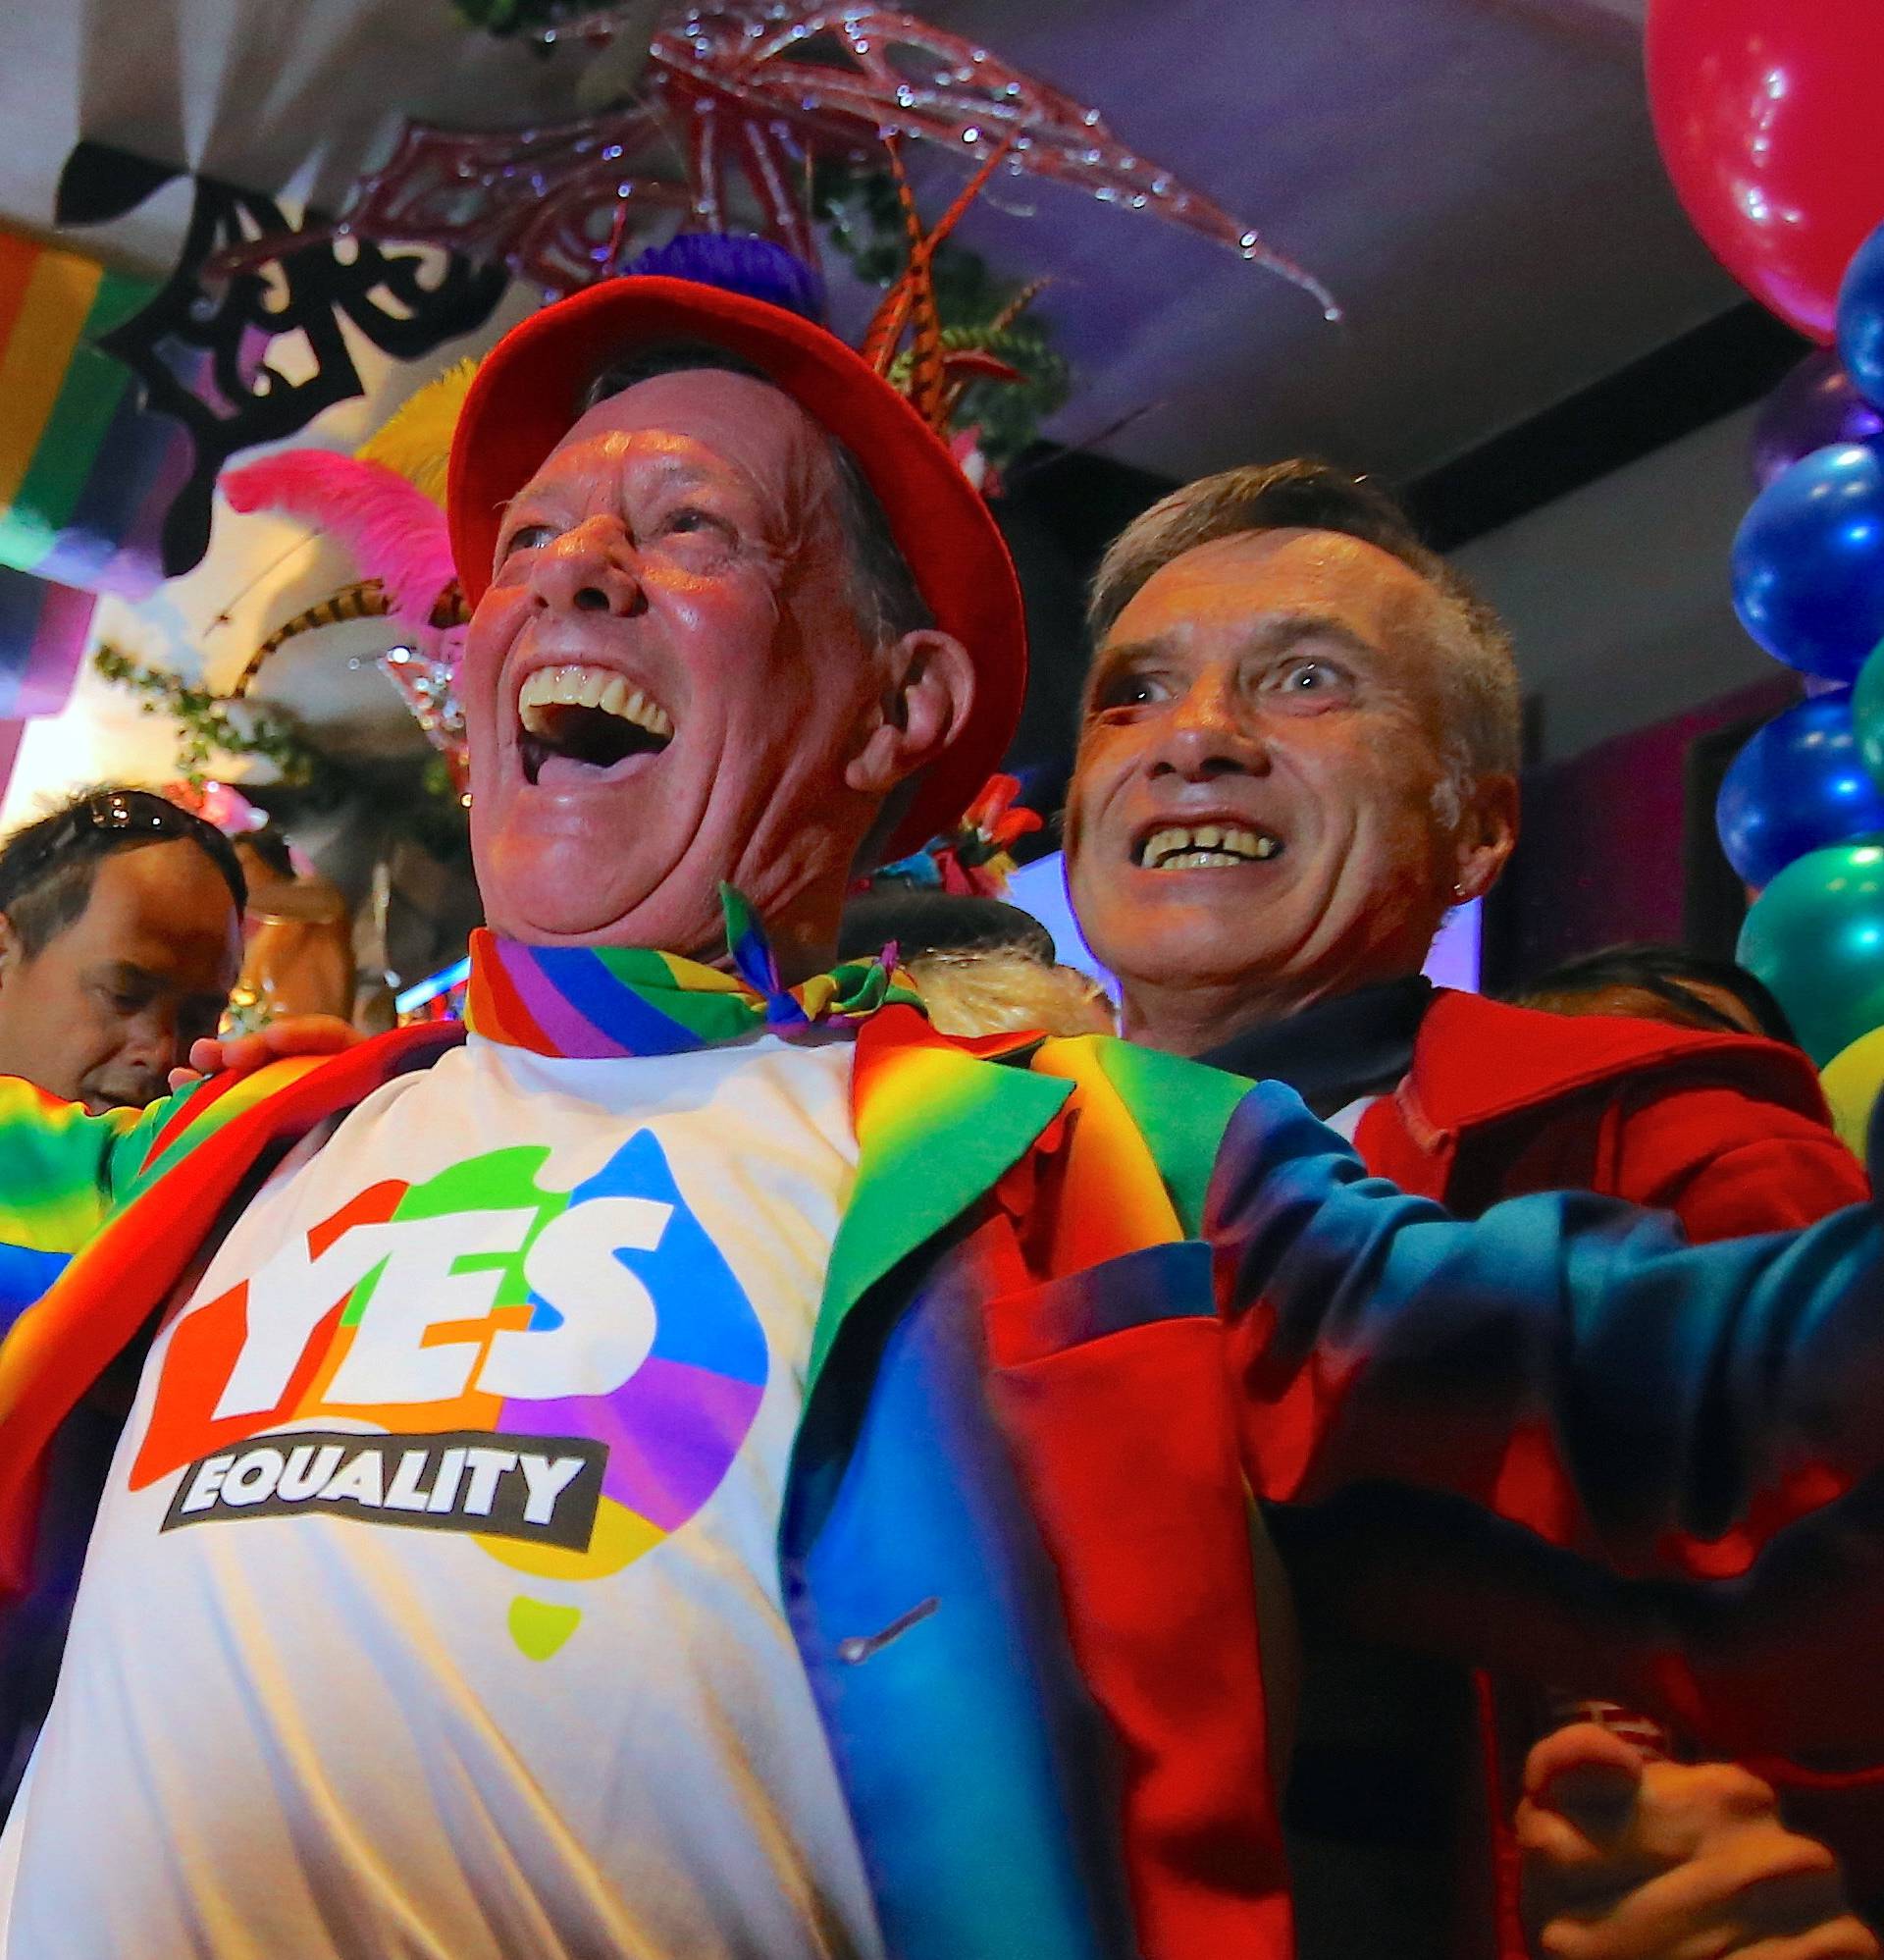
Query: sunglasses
103, 820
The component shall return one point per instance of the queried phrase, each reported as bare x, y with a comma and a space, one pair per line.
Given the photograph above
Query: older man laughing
707, 1466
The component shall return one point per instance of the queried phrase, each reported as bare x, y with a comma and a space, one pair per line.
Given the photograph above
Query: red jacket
1729, 1133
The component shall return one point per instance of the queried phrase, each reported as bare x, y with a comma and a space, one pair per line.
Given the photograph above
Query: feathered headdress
386, 503
974, 859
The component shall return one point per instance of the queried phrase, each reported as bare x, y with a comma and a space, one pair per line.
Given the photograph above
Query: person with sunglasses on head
121, 917
120, 938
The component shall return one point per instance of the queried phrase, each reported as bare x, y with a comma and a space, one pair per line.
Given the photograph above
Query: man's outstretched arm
1565, 1361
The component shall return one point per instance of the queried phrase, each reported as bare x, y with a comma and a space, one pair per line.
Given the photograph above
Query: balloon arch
1765, 116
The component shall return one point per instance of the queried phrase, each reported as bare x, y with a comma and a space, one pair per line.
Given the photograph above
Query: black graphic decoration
202, 347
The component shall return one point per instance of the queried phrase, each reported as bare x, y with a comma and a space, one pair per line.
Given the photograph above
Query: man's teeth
1182, 848
587, 687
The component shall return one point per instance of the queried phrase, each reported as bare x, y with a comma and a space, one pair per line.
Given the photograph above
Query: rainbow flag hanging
43, 630
85, 475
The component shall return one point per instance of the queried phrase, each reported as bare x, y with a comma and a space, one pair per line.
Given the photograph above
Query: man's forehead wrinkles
1271, 633
1281, 631
664, 455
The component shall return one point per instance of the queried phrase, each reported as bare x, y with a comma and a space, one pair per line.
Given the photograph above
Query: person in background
120, 940
299, 958
982, 966
1298, 752
1656, 983
120, 937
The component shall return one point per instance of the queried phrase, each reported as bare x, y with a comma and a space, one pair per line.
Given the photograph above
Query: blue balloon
1801, 784
1809, 561
1860, 319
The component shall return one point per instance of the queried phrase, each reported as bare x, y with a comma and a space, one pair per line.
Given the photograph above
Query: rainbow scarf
596, 1003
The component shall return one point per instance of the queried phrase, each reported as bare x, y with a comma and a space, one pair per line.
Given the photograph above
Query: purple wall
1618, 843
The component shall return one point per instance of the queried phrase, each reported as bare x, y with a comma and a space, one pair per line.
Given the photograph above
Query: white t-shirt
433, 1606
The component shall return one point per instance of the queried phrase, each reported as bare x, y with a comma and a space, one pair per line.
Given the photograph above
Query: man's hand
243, 1054
1631, 1859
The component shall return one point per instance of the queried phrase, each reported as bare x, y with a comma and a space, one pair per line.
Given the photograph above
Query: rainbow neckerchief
592, 1003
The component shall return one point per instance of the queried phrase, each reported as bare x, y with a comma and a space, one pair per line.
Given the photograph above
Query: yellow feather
416, 442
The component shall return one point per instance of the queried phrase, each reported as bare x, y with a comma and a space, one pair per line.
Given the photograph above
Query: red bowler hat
528, 394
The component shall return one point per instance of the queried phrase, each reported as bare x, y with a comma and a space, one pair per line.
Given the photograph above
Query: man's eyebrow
1124, 653
1115, 660
126, 976
667, 470
1280, 633
686, 469
1277, 633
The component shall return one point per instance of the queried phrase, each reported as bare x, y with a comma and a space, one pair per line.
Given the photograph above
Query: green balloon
1816, 935
1867, 712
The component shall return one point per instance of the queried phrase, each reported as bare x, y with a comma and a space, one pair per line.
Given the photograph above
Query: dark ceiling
1475, 179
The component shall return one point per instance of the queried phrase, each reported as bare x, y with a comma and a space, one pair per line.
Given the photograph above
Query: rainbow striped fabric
43, 631
69, 1171
592, 1003
85, 475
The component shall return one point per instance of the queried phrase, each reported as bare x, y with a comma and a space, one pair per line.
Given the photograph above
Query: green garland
420, 802
207, 728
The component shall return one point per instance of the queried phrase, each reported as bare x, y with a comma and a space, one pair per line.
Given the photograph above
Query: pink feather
396, 533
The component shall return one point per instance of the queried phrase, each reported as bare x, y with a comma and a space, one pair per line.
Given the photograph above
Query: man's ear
923, 708
1488, 835
11, 953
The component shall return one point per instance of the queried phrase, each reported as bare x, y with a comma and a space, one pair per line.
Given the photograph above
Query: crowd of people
734, 1452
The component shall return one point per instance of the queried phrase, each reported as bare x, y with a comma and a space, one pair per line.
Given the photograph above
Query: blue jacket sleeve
1566, 1362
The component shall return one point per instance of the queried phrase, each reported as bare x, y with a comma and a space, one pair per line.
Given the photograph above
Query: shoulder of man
1479, 1061
283, 1098
1729, 1132
1179, 1109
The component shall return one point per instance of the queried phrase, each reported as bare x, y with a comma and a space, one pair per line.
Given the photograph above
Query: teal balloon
1816, 935
1867, 713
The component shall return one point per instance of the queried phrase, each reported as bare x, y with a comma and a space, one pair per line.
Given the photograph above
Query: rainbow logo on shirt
567, 1376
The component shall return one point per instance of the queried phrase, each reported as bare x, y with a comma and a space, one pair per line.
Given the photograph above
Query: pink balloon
1768, 119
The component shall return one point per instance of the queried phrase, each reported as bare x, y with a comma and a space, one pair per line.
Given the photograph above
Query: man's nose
1207, 734
152, 1042
591, 569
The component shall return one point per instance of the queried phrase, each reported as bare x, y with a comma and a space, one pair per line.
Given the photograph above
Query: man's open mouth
589, 716
1205, 847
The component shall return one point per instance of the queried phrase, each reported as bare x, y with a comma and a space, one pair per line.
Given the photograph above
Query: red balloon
1769, 118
